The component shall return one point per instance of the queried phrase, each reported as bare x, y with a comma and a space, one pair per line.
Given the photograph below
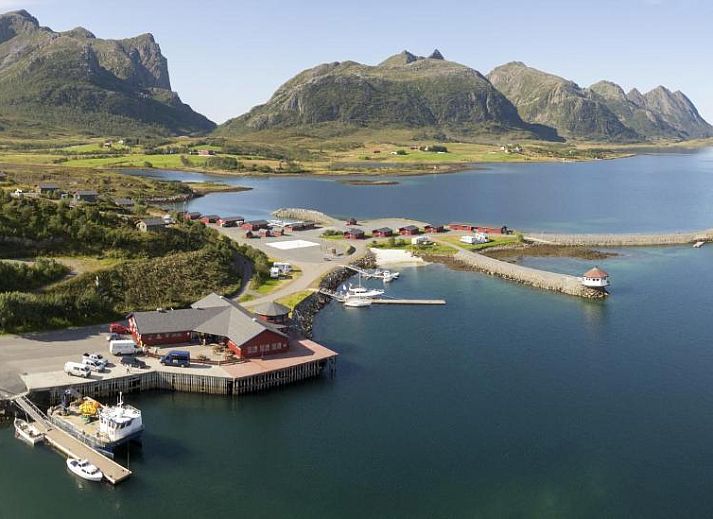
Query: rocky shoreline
304, 313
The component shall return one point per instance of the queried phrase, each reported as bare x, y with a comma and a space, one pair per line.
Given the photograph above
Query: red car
118, 328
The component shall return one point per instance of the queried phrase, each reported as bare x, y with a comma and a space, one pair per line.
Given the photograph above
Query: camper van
122, 347
76, 369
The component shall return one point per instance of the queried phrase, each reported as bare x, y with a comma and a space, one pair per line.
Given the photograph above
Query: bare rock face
76, 81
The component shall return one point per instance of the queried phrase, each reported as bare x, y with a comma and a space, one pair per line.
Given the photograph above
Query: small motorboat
27, 432
84, 469
389, 276
698, 244
357, 302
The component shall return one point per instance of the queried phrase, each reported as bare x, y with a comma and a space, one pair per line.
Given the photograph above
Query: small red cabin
264, 233
433, 229
255, 225
462, 227
354, 234
210, 218
191, 216
230, 221
383, 232
409, 230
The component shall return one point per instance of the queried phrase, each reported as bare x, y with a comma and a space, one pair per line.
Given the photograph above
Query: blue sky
226, 56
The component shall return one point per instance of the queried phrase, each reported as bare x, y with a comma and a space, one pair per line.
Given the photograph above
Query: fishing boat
27, 432
357, 302
120, 422
84, 469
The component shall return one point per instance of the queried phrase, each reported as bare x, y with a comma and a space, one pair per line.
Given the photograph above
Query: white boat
363, 292
120, 422
84, 469
698, 244
27, 432
357, 302
389, 276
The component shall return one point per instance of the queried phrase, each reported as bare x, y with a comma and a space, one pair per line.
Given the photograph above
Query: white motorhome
122, 347
284, 268
76, 369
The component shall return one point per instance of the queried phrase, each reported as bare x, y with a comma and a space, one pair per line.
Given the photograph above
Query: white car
98, 357
76, 369
94, 365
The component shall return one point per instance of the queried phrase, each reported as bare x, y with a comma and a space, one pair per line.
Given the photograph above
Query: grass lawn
294, 299
495, 241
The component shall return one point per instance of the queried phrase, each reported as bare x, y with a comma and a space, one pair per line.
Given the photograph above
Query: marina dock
71, 446
409, 301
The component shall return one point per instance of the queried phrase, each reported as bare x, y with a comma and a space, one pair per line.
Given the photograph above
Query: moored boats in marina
27, 432
357, 302
84, 469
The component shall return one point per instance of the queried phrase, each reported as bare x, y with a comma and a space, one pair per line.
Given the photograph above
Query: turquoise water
508, 402
667, 192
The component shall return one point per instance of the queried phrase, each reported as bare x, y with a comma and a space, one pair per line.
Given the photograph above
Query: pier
621, 240
71, 446
408, 301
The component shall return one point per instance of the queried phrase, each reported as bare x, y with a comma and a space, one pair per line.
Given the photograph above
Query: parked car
76, 369
118, 328
122, 347
98, 357
113, 337
176, 358
94, 365
133, 362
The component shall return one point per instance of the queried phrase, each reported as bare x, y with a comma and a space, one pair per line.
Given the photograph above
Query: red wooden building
409, 230
230, 221
213, 319
462, 227
354, 234
255, 225
433, 229
209, 218
264, 233
191, 216
493, 230
383, 232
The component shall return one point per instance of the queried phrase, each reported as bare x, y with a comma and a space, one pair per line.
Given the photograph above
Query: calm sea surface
507, 402
646, 193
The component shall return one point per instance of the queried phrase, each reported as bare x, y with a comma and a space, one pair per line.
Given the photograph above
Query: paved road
40, 352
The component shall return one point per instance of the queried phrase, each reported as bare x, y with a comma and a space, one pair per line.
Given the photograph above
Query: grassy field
495, 241
293, 300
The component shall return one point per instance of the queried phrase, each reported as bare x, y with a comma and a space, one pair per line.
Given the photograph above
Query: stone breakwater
305, 312
621, 240
553, 281
307, 215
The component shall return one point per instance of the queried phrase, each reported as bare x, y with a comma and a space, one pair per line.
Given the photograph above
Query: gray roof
258, 222
409, 228
153, 222
232, 218
123, 201
384, 229
86, 193
272, 309
48, 185
214, 315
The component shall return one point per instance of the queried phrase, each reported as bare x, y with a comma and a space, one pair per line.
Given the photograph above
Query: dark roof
232, 218
86, 193
354, 231
272, 309
211, 216
47, 185
409, 228
214, 315
123, 201
153, 222
383, 229
434, 225
258, 222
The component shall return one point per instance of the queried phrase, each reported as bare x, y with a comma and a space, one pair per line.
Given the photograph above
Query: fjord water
662, 192
507, 402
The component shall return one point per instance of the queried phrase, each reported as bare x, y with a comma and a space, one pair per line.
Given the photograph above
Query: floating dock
71, 446
409, 301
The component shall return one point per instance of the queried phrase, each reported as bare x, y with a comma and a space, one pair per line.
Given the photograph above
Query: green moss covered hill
73, 82
405, 91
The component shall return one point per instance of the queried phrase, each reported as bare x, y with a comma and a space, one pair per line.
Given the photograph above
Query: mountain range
74, 82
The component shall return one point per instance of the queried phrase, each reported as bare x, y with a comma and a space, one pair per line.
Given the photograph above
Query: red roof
596, 273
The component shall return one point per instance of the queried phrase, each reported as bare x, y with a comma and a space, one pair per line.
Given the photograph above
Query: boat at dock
102, 427
363, 292
84, 470
357, 302
27, 432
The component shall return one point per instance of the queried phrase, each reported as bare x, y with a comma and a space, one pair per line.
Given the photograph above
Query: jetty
621, 240
69, 445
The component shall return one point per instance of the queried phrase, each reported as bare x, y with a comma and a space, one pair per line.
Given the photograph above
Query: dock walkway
71, 446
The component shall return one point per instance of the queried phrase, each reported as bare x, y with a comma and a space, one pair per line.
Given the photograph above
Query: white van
122, 347
76, 369
284, 268
93, 364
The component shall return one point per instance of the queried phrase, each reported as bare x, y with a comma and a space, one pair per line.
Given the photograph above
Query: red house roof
596, 273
